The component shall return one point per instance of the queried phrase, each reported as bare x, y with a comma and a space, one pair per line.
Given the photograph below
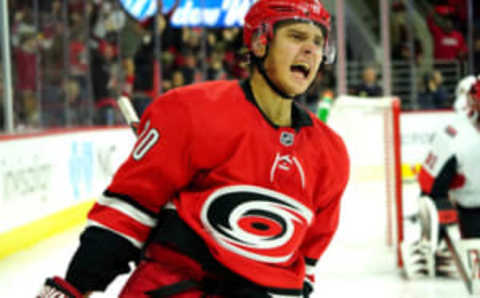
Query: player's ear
259, 45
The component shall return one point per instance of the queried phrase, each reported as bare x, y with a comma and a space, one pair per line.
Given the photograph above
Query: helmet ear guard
259, 47
263, 39
259, 41
330, 51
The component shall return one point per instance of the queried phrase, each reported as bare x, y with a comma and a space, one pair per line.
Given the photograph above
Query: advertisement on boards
45, 174
211, 13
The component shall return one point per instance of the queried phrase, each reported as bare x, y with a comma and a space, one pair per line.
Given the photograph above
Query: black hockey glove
60, 288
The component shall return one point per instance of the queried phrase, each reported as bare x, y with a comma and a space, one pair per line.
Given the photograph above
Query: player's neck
277, 109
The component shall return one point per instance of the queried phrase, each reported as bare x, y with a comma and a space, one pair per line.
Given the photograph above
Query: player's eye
319, 42
296, 36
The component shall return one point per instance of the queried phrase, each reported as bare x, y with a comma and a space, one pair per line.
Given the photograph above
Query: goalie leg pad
429, 221
418, 259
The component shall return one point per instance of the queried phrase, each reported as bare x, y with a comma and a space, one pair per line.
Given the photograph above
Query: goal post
370, 128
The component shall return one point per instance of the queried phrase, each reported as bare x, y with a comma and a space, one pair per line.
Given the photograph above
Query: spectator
26, 82
133, 35
106, 21
21, 24
103, 84
460, 11
449, 43
215, 69
73, 94
434, 95
369, 86
400, 39
190, 68
232, 42
476, 50
53, 102
191, 40
177, 79
148, 69
167, 82
78, 74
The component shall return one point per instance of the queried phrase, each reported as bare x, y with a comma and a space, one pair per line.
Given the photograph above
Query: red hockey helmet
264, 14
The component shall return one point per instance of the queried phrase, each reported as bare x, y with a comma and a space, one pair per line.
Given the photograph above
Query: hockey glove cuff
58, 287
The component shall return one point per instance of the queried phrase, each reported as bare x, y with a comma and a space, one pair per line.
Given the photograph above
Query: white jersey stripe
128, 210
309, 269
284, 296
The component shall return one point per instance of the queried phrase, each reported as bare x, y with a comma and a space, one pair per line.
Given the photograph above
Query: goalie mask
265, 14
461, 92
473, 102
463, 87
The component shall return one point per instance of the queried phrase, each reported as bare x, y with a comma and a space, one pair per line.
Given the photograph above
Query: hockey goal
370, 128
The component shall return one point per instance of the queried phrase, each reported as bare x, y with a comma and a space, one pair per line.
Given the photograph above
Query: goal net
370, 130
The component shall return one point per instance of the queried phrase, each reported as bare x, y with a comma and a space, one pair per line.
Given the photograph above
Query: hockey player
450, 182
232, 189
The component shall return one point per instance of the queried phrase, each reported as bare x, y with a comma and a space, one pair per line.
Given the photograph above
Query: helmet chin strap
263, 72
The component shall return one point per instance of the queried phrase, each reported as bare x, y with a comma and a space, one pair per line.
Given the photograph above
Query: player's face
294, 57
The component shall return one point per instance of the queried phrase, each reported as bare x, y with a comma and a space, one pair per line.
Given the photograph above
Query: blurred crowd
71, 62
444, 45
71, 59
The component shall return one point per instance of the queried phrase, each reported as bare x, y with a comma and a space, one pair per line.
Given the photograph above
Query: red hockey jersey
264, 199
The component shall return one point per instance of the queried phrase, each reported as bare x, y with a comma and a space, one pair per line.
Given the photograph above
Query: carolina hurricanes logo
255, 222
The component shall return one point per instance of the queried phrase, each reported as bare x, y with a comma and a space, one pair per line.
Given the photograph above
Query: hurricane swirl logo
255, 222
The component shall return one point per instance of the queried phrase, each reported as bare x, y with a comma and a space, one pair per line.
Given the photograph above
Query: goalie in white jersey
450, 183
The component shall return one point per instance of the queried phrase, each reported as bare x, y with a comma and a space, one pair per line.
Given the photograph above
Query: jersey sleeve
327, 213
158, 166
439, 167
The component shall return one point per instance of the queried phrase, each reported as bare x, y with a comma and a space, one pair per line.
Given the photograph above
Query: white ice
356, 264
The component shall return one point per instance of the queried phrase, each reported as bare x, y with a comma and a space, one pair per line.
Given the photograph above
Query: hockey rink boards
357, 263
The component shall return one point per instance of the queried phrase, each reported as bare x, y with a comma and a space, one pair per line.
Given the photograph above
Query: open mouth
301, 68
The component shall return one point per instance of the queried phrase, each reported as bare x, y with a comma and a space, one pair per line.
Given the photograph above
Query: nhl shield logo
286, 138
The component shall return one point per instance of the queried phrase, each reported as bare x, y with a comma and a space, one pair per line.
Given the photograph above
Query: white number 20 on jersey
147, 139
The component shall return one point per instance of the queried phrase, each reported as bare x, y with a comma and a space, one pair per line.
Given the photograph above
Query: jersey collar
300, 117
